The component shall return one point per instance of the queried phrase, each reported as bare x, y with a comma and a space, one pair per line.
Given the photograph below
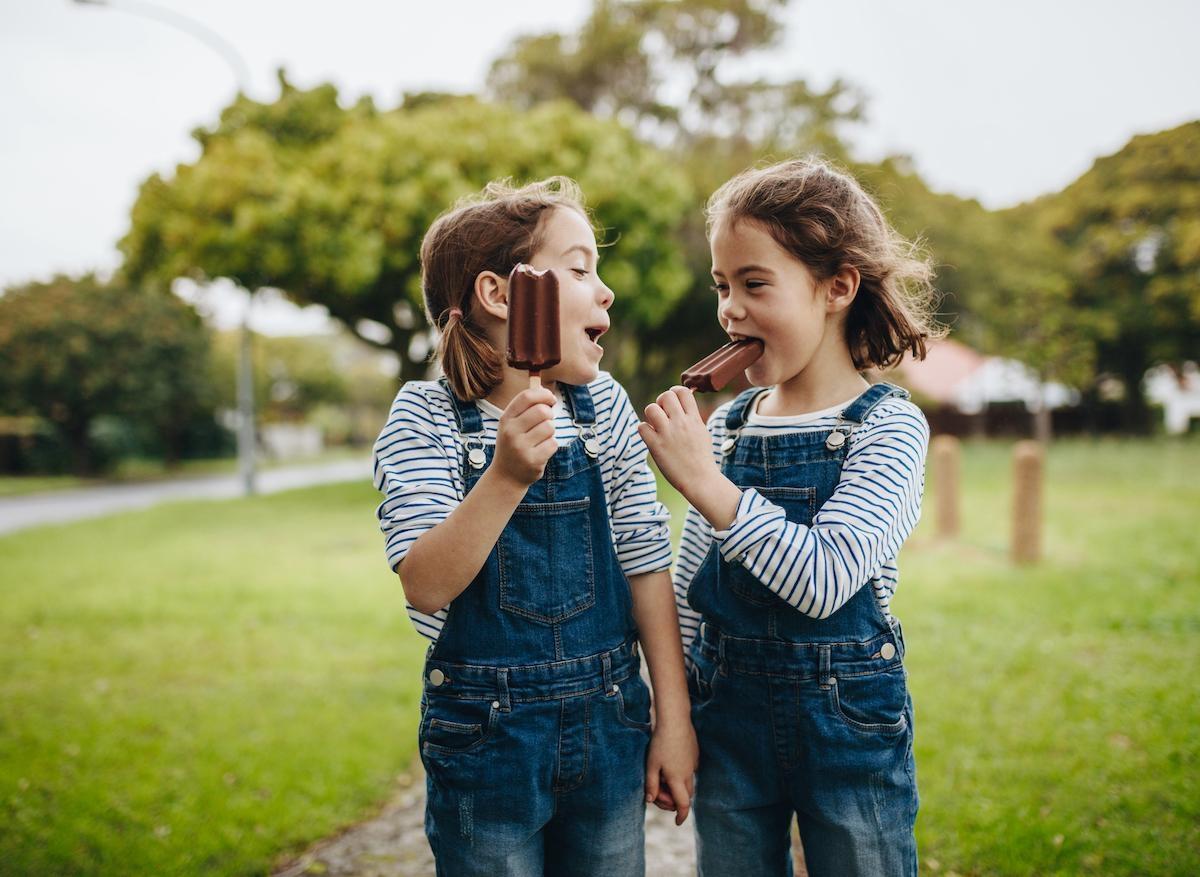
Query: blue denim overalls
796, 714
534, 720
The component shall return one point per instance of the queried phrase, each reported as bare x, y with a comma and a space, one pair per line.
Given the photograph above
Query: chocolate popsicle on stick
720, 367
534, 337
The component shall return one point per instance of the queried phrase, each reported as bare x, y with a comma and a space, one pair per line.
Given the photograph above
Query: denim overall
535, 721
795, 714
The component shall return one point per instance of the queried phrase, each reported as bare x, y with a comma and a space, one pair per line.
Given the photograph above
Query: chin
575, 374
758, 377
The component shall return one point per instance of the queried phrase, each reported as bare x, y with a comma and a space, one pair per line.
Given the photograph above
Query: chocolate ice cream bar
534, 337
719, 368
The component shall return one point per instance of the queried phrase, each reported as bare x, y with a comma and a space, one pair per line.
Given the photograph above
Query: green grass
202, 688
1056, 706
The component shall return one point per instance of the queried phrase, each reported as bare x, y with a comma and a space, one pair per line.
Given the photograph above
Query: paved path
393, 844
64, 506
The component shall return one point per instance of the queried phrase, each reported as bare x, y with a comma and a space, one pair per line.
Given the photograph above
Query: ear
842, 288
491, 294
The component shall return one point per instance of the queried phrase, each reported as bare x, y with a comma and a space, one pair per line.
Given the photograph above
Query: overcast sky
999, 101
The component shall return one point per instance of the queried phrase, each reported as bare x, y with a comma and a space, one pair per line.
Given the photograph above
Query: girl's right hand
525, 441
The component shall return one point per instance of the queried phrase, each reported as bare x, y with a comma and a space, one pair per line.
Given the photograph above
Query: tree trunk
82, 462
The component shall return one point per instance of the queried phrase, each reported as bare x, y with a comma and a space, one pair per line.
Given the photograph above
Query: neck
829, 378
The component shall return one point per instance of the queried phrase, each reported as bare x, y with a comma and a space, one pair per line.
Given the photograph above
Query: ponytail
469, 361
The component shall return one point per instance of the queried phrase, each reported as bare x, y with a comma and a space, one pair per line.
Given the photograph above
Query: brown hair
489, 231
825, 219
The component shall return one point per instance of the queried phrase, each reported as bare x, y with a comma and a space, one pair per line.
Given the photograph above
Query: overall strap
579, 402
470, 428
740, 409
857, 411
466, 414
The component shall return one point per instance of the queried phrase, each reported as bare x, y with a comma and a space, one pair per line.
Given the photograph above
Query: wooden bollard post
1027, 503
946, 456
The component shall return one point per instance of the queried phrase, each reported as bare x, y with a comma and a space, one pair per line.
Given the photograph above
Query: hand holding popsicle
534, 334
525, 438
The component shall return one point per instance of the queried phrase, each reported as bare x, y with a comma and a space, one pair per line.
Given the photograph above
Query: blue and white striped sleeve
640, 523
694, 545
872, 511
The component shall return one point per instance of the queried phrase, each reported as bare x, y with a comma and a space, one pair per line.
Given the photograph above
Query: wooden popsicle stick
535, 380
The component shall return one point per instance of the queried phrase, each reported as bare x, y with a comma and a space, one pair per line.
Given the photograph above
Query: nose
729, 311
606, 296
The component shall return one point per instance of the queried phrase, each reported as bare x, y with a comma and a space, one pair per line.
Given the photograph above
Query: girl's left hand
671, 767
678, 440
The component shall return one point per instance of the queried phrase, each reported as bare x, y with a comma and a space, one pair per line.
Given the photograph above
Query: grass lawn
201, 688
1057, 707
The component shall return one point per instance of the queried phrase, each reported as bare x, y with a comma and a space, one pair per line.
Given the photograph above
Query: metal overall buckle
475, 454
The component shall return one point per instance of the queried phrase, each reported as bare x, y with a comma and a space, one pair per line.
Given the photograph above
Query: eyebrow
587, 251
747, 269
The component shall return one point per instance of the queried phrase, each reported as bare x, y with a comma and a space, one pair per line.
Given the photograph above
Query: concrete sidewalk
65, 506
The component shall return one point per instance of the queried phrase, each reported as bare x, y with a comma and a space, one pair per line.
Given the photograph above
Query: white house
956, 375
1177, 391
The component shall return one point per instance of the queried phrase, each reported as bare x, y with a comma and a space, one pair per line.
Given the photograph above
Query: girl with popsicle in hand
802, 490
533, 553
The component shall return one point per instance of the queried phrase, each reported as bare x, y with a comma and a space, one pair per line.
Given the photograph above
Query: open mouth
594, 332
736, 336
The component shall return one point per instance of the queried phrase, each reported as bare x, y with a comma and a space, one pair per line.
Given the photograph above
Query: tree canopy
329, 205
74, 349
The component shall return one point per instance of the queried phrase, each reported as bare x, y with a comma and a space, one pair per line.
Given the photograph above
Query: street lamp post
245, 378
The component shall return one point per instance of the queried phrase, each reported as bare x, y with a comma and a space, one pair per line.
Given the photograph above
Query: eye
580, 272
720, 288
755, 284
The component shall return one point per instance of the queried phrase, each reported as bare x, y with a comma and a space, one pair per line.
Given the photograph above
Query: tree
74, 349
660, 66
1131, 226
331, 206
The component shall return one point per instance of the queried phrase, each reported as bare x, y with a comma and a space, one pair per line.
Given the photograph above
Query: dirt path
393, 844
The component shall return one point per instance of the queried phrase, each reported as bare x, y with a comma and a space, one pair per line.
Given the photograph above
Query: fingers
656, 417
535, 415
652, 787
683, 799
687, 400
670, 403
526, 399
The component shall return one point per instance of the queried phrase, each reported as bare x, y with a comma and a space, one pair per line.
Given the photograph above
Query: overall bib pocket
799, 504
545, 560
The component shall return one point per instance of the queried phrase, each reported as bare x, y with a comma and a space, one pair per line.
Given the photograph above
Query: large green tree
72, 350
329, 205
1130, 229
663, 68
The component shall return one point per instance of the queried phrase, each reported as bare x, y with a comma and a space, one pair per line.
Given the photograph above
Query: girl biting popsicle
802, 490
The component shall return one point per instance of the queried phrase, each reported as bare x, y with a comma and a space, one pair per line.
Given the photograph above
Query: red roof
946, 364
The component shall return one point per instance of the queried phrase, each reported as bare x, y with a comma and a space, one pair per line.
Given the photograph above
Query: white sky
999, 101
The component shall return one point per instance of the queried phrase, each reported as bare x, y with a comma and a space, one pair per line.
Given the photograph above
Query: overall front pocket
545, 560
454, 725
873, 703
799, 505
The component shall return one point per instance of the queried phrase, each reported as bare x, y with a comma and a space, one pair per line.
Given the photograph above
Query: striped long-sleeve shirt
854, 537
417, 469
